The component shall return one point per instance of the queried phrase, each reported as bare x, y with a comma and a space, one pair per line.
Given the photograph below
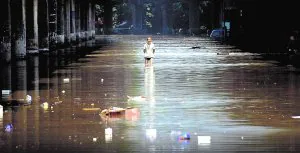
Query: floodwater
221, 98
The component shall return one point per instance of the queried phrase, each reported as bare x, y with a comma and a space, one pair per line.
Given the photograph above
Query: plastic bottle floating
136, 98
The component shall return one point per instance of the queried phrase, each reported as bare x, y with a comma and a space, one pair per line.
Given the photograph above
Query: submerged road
223, 99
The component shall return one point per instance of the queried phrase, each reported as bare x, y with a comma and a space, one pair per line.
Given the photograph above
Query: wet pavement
210, 98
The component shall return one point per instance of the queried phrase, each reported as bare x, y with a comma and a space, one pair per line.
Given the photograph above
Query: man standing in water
149, 50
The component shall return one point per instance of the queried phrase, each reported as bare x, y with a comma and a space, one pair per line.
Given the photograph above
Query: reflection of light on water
149, 84
149, 93
108, 135
1, 116
151, 134
204, 140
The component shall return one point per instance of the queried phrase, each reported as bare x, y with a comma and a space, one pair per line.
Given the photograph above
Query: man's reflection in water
150, 98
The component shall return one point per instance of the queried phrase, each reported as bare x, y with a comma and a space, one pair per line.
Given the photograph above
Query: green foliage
121, 13
149, 15
179, 15
99, 10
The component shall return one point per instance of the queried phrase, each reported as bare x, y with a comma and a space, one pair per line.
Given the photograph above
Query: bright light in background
204, 140
151, 134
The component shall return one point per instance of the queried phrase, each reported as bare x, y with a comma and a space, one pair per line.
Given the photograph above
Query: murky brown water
227, 100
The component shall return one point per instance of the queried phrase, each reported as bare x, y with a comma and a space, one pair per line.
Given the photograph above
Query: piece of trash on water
185, 136
136, 98
45, 105
102, 80
296, 117
8, 128
94, 139
57, 101
28, 99
195, 47
204, 140
66, 80
113, 111
63, 91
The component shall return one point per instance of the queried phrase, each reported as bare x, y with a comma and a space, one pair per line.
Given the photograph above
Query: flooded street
210, 98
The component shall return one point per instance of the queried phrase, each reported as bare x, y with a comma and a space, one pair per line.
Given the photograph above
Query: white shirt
149, 53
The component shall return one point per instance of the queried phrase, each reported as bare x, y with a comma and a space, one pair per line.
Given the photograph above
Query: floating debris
94, 139
66, 80
57, 101
113, 111
63, 91
45, 105
196, 47
28, 99
136, 98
